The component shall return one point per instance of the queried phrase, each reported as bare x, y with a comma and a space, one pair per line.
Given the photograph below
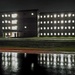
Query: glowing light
55, 15
9, 22
14, 27
58, 27
72, 33
41, 34
41, 28
65, 27
44, 16
47, 33
41, 22
65, 15
32, 13
25, 27
48, 16
51, 28
2, 21
2, 27
51, 34
61, 33
72, 21
62, 15
69, 27
65, 33
47, 28
2, 15
51, 22
69, 15
54, 27
65, 21
69, 33
54, 33
62, 27
58, 15
62, 21
8, 27
73, 15
47, 22
58, 33
72, 27
58, 21
44, 28
14, 15
51, 16
5, 15
14, 21
6, 21
44, 22
54, 22
9, 15
41, 16
44, 34
69, 21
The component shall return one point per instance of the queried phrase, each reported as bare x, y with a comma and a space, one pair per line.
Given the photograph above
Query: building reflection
47, 63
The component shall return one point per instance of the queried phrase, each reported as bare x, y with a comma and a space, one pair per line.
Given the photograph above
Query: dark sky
42, 5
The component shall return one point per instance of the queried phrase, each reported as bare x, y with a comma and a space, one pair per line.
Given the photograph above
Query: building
56, 24
31, 23
18, 23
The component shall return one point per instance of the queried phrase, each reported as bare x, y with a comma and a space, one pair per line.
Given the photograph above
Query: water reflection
38, 64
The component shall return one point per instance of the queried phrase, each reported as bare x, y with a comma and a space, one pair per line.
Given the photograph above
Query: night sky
42, 5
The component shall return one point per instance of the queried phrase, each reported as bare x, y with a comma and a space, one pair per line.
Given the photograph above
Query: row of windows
55, 27
12, 27
15, 15
56, 34
55, 22
57, 15
12, 22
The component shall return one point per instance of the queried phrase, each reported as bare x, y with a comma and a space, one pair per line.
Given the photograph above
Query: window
69, 27
58, 15
14, 15
58, 21
47, 22
32, 13
65, 33
58, 33
41, 28
65, 15
44, 16
25, 27
54, 27
55, 22
6, 21
72, 21
55, 15
51, 22
14, 27
65, 27
8, 27
69, 15
48, 34
14, 21
5, 15
69, 21
2, 27
62, 15
51, 28
58, 27
41, 16
73, 15
2, 15
72, 27
62, 21
41, 34
48, 16
44, 22
65, 21
44, 28
51, 16
47, 28
9, 22
72, 33
8, 15
41, 22
62, 27
54, 33
5, 27
2, 21
44, 34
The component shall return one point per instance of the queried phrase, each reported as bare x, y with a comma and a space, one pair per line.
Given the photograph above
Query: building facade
31, 23
18, 23
56, 24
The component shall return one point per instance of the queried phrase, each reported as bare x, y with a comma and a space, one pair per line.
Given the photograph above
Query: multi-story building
30, 23
18, 23
57, 24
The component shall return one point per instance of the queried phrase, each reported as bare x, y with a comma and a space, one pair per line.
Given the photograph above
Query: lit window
58, 15
2, 15
58, 21
9, 22
51, 22
41, 34
8, 33
14, 15
6, 21
51, 28
9, 15
5, 27
41, 22
47, 22
2, 21
61, 33
14, 21
72, 33
14, 27
51, 34
54, 33
41, 28
54, 27
69, 15
65, 33
25, 27
5, 33
73, 15
54, 22
62, 21
72, 21
62, 27
58, 33
55, 15
2, 27
47, 33
8, 27
62, 15
72, 27
47, 28
51, 16
69, 33
65, 27
41, 16
69, 21
5, 15
65, 15
44, 16
44, 22
44, 34
44, 28
32, 13
58, 27
48, 16
65, 21
69, 27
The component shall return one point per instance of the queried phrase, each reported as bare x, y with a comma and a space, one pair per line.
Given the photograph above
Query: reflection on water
37, 64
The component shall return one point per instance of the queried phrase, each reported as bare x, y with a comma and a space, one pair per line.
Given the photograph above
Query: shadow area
30, 65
